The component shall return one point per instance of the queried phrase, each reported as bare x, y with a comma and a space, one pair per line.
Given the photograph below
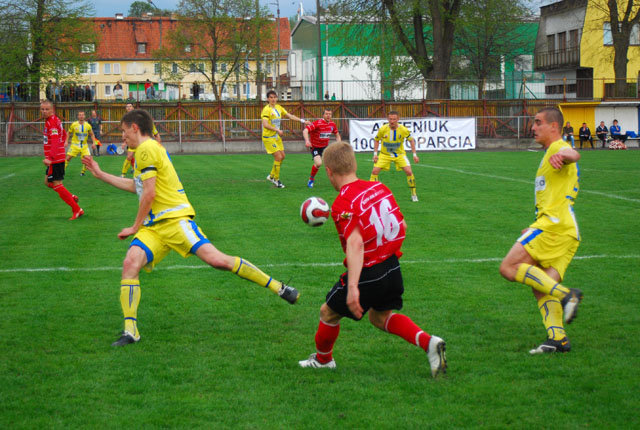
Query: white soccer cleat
312, 361
270, 179
414, 198
437, 356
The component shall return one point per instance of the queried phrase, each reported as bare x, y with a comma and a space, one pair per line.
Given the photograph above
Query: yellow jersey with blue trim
555, 193
152, 160
393, 140
274, 116
79, 133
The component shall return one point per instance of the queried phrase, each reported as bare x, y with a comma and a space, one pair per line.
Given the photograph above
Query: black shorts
380, 288
317, 151
55, 172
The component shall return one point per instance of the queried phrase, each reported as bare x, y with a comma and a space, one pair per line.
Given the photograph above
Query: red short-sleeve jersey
371, 207
54, 138
320, 131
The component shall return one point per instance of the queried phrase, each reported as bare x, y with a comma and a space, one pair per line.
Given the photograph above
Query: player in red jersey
371, 229
54, 157
316, 137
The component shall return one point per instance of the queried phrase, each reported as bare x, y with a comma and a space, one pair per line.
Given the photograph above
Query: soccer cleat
75, 198
312, 361
310, 183
550, 346
570, 304
125, 339
288, 293
414, 198
271, 179
81, 173
77, 214
437, 356
279, 184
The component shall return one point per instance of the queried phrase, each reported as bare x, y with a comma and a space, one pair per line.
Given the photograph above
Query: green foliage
217, 351
140, 8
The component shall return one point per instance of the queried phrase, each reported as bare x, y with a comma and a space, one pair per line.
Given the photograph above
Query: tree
490, 33
39, 37
621, 27
141, 8
220, 33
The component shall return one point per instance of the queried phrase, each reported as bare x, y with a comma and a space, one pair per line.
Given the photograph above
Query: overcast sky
287, 7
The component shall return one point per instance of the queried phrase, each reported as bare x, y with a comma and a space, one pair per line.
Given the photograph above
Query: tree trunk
37, 33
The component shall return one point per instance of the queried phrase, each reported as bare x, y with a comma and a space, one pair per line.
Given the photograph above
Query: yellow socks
411, 180
537, 279
373, 178
125, 166
129, 299
248, 271
551, 311
275, 170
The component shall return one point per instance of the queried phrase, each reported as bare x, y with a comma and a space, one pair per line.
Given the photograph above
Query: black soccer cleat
125, 339
550, 346
288, 293
570, 304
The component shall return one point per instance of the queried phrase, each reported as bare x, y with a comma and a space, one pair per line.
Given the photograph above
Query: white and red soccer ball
314, 211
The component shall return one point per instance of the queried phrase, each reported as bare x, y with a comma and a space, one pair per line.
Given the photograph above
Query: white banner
430, 134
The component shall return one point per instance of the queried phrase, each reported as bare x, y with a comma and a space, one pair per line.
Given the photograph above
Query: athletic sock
248, 271
325, 339
129, 300
411, 180
403, 326
314, 170
537, 279
67, 197
551, 311
125, 166
66, 163
275, 171
373, 178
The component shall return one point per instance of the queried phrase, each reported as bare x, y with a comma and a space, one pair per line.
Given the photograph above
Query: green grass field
219, 352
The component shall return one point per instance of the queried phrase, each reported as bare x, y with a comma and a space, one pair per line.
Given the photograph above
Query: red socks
325, 338
401, 325
314, 170
67, 197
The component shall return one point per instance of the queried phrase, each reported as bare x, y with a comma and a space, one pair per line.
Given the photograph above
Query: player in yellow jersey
164, 221
272, 115
392, 136
78, 134
128, 161
541, 255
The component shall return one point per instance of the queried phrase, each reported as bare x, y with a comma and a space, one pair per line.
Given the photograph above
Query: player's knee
327, 315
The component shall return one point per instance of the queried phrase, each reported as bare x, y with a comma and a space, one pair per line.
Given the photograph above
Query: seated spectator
118, 92
585, 135
567, 134
616, 132
601, 132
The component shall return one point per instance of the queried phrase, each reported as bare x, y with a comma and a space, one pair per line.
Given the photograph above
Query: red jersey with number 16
371, 208
54, 138
320, 131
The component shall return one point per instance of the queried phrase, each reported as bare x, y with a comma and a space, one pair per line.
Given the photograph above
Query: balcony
560, 59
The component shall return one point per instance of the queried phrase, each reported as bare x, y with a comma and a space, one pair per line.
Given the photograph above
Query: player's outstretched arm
92, 165
295, 118
565, 156
355, 260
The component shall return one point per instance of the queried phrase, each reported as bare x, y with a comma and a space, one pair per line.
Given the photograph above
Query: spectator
601, 132
585, 135
326, 95
333, 97
49, 92
118, 92
88, 93
79, 93
96, 124
56, 90
149, 91
616, 132
195, 90
567, 134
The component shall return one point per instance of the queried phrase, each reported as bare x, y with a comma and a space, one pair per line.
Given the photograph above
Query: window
107, 68
192, 68
93, 68
107, 90
562, 41
235, 90
223, 67
201, 67
157, 68
174, 68
607, 37
551, 42
246, 67
293, 64
116, 68
87, 48
247, 89
187, 48
573, 39
142, 48
634, 38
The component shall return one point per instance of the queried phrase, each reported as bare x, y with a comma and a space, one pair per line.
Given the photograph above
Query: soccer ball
314, 211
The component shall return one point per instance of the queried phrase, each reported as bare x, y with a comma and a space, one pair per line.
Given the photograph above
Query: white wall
627, 116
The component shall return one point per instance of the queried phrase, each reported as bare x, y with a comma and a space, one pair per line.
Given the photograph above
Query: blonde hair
340, 158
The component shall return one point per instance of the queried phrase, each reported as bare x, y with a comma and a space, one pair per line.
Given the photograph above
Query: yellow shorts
550, 249
273, 144
74, 150
384, 161
180, 234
